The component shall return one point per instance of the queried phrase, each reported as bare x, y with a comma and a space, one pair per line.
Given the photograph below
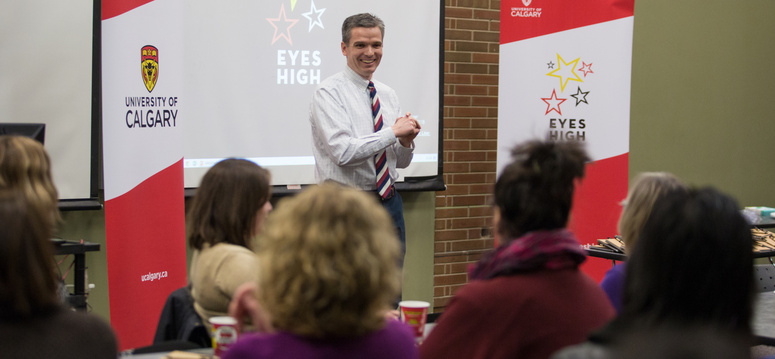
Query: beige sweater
215, 274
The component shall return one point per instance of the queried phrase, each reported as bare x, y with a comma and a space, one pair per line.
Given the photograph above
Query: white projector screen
252, 67
46, 77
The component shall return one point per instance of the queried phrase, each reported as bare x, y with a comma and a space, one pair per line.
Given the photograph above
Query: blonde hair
26, 167
328, 263
645, 190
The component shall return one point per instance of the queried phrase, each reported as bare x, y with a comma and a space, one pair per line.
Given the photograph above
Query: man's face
364, 50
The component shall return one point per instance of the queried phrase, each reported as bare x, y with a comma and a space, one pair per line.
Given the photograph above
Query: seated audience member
33, 321
527, 298
25, 167
328, 273
646, 188
690, 269
226, 213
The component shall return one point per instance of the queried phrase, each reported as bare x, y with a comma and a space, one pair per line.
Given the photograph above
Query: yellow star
566, 71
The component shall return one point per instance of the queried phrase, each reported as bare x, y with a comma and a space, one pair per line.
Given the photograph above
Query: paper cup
414, 313
224, 334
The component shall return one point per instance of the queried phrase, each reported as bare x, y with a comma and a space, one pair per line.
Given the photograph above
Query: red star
286, 33
586, 69
553, 103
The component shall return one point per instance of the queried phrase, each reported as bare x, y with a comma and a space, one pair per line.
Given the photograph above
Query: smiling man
360, 134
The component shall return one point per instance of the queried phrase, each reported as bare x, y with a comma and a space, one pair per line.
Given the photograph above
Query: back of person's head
692, 264
25, 166
535, 190
645, 190
360, 20
28, 283
227, 202
328, 263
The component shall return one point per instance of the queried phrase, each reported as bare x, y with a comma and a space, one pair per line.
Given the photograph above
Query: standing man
360, 135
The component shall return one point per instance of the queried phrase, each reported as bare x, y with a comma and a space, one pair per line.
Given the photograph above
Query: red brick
470, 112
451, 100
457, 123
471, 90
467, 245
451, 212
469, 178
483, 101
458, 79
455, 189
487, 14
451, 34
485, 58
465, 24
448, 235
450, 279
484, 145
458, 56
453, 12
470, 156
482, 211
468, 201
470, 134
457, 167
476, 222
484, 79
456, 145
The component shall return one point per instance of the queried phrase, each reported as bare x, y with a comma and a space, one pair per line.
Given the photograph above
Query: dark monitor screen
36, 131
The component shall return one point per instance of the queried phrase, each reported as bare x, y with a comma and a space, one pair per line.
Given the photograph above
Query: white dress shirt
344, 141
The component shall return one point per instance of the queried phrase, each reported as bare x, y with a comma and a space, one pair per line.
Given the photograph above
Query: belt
390, 195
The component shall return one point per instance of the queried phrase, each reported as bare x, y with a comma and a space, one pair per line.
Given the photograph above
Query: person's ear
344, 49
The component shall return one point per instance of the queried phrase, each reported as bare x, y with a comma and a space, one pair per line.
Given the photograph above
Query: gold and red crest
149, 66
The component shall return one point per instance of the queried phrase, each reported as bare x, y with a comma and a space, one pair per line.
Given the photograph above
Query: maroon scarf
553, 249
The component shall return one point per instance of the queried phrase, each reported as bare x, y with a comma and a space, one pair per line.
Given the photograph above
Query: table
78, 249
615, 256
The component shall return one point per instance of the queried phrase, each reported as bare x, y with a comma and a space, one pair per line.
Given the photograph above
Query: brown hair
645, 190
26, 167
226, 203
328, 263
28, 283
360, 20
535, 191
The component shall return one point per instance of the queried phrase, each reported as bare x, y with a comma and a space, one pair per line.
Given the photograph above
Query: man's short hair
360, 20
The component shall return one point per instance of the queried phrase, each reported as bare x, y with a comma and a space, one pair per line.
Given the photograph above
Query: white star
318, 13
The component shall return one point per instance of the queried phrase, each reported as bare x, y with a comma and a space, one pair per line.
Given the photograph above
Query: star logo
317, 20
580, 96
565, 72
550, 65
586, 68
285, 23
553, 103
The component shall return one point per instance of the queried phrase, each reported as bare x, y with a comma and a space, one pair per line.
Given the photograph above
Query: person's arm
333, 127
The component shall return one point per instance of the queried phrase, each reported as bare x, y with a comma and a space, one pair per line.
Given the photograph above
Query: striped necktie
383, 176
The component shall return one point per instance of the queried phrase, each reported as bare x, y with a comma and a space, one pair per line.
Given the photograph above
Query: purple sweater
613, 284
395, 340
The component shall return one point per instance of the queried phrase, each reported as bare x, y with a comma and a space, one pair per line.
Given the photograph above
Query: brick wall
463, 214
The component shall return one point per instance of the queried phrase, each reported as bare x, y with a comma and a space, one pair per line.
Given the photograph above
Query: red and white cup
414, 313
224, 333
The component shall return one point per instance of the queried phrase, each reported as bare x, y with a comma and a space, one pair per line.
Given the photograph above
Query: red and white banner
565, 71
142, 83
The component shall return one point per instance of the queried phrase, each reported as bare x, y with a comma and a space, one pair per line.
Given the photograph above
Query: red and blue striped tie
383, 176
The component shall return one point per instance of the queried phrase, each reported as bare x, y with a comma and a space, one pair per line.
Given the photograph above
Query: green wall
702, 94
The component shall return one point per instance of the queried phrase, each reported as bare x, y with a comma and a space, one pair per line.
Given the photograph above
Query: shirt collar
359, 81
